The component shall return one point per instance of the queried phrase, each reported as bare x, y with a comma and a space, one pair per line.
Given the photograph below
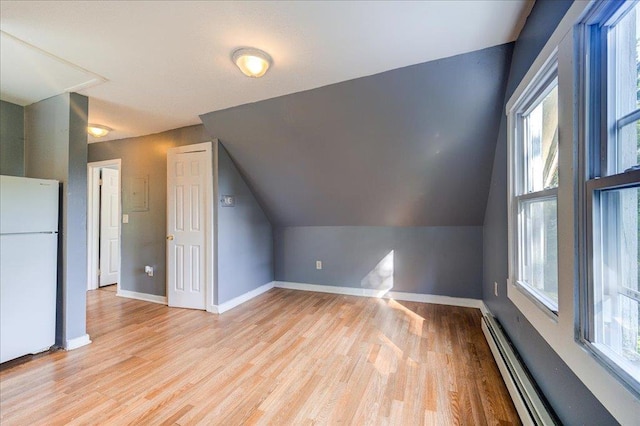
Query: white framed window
610, 307
533, 189
576, 46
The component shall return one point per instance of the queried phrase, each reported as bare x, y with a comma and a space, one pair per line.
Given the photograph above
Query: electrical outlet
318, 264
495, 288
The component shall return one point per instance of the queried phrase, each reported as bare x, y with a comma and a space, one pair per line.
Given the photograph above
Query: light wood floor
286, 357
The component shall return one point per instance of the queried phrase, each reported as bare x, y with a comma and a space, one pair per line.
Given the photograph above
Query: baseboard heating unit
530, 405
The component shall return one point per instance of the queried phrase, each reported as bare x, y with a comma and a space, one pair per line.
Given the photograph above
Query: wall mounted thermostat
228, 201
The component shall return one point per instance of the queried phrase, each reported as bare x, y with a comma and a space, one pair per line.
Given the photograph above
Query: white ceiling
165, 63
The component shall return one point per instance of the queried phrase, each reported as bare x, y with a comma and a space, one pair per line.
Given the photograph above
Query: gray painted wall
378, 151
244, 245
571, 400
76, 218
56, 148
143, 238
428, 260
245, 239
11, 139
393, 149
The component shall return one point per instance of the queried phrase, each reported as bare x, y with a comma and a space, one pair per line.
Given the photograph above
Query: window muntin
611, 320
536, 190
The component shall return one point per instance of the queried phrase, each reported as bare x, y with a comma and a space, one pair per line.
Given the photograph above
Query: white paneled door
188, 217
109, 226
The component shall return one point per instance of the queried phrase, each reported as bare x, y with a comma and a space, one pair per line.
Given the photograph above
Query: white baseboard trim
142, 296
397, 295
512, 388
485, 309
435, 299
349, 291
224, 307
78, 342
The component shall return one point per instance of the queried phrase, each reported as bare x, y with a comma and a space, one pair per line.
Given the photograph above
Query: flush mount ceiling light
98, 130
252, 62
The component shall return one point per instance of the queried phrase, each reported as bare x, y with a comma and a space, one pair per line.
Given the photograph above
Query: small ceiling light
252, 62
98, 130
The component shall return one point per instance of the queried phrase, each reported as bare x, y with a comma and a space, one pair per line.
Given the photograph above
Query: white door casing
109, 227
189, 226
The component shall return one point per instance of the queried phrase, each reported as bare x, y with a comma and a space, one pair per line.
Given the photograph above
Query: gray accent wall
351, 171
144, 237
56, 148
244, 236
443, 261
11, 139
571, 400
398, 148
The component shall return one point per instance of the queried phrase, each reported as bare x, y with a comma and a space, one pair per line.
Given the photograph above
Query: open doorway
103, 217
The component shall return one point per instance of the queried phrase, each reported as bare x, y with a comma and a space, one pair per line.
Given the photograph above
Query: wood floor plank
285, 357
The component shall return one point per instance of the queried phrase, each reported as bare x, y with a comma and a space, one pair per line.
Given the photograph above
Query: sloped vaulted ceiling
408, 147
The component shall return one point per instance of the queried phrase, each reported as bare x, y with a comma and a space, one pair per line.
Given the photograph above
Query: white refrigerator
28, 265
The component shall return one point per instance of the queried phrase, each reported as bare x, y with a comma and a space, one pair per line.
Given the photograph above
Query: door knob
170, 237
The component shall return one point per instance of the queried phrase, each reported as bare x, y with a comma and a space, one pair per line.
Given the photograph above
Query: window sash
547, 304
611, 121
598, 173
609, 358
600, 122
543, 84
592, 189
548, 80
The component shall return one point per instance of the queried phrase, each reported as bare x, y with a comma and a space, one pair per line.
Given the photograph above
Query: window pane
616, 293
628, 154
625, 35
541, 144
539, 249
623, 149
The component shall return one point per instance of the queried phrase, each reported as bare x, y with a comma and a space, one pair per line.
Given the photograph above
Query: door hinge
99, 272
100, 182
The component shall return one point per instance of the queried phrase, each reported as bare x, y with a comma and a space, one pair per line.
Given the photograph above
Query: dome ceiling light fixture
252, 62
98, 130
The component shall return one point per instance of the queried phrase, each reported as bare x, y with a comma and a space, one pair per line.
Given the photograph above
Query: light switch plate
318, 264
125, 218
